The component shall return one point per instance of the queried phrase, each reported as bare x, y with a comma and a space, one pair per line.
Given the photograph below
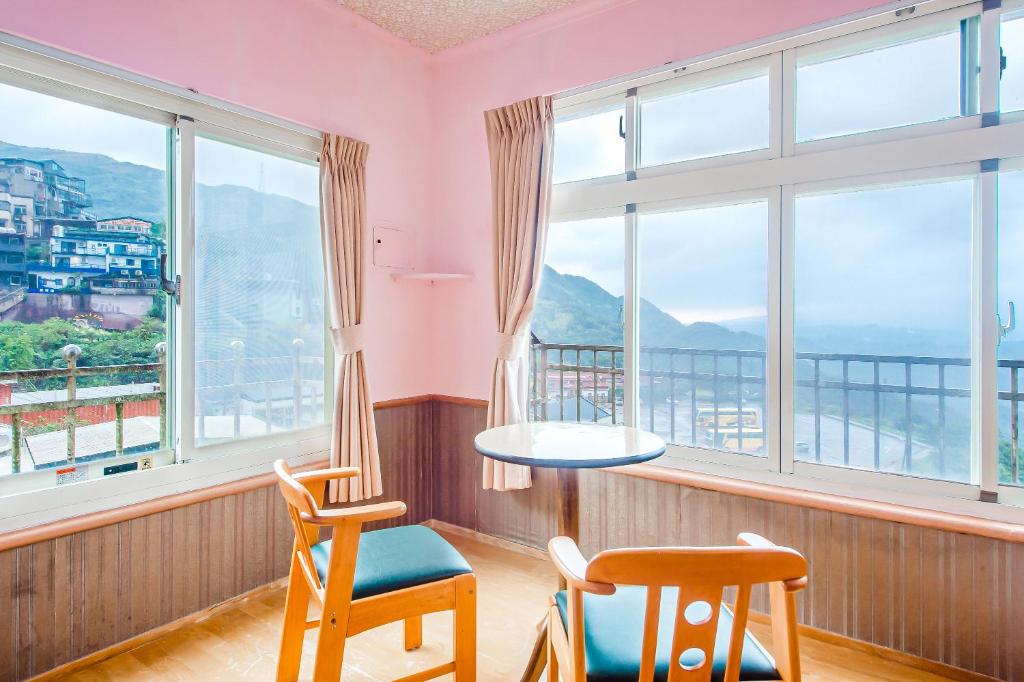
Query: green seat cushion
396, 558
614, 628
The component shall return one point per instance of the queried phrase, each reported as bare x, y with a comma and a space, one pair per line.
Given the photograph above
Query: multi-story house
12, 257
125, 224
42, 189
102, 261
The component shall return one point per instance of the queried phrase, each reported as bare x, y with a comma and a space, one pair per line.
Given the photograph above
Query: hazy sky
35, 120
892, 256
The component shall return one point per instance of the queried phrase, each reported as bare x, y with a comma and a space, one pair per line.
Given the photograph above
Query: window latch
1011, 322
622, 127
171, 288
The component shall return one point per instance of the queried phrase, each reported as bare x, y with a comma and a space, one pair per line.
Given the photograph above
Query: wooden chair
363, 580
657, 613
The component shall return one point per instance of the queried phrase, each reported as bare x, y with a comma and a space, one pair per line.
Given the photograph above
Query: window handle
622, 127
172, 289
1010, 324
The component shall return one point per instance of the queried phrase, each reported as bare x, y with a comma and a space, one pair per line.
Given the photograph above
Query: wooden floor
241, 643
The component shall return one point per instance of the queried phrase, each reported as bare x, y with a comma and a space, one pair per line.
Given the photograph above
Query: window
101, 371
703, 319
71, 165
883, 328
859, 84
816, 308
1011, 86
257, 249
705, 119
589, 145
576, 377
1010, 354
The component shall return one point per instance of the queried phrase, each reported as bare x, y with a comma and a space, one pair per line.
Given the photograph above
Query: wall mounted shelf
431, 276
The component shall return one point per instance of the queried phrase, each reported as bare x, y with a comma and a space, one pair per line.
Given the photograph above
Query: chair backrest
701, 575
301, 501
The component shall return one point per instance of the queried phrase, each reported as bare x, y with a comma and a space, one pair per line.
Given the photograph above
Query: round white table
566, 447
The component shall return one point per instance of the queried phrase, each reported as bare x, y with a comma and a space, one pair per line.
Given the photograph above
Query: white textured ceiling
436, 25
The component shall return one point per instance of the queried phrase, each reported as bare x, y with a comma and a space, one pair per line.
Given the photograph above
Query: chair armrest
362, 514
782, 608
570, 563
755, 540
325, 474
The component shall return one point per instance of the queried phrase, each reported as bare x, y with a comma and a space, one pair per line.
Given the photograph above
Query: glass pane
589, 146
896, 84
577, 323
83, 214
1011, 86
703, 325
711, 121
259, 294
882, 317
1011, 349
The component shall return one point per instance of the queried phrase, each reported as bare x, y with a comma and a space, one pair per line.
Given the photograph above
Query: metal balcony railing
15, 413
717, 399
236, 396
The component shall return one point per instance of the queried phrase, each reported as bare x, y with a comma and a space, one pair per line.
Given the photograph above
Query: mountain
118, 188
573, 309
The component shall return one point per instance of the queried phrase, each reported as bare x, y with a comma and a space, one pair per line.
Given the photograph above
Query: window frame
933, 149
702, 80
32, 498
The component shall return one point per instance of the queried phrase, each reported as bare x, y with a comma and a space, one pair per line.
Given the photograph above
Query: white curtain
520, 138
342, 228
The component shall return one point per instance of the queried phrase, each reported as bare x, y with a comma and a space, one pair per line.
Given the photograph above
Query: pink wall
584, 44
314, 62
310, 61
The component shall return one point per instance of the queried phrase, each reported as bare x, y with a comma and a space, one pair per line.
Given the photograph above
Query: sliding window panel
894, 77
882, 328
590, 143
1010, 354
1011, 84
578, 340
83, 322
703, 318
259, 360
706, 115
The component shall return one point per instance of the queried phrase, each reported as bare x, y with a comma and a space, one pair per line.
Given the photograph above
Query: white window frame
946, 148
32, 498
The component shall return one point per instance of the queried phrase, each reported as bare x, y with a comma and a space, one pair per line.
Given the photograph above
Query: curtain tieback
348, 340
511, 346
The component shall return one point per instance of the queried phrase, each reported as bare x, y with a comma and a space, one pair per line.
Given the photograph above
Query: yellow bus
727, 416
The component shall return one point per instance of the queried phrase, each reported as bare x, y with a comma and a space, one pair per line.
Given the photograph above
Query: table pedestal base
568, 526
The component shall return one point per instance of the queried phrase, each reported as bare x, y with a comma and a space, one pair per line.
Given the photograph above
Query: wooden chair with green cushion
656, 613
363, 580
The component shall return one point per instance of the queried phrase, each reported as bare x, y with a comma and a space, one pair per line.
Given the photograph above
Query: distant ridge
573, 309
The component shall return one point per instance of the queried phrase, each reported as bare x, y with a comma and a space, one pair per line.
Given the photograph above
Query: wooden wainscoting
944, 596
67, 597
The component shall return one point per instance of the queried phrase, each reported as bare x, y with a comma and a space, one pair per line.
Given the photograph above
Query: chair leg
413, 633
465, 628
330, 643
552, 659
296, 604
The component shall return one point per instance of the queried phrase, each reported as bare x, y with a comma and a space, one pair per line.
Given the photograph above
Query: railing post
543, 388
15, 443
297, 345
161, 354
1014, 415
239, 347
71, 353
119, 428
908, 449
